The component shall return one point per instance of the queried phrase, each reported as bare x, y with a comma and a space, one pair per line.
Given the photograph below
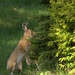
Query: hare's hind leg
20, 68
13, 68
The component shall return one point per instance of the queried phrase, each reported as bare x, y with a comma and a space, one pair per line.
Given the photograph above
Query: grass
12, 14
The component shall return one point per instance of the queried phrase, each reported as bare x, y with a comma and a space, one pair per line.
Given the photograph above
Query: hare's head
28, 33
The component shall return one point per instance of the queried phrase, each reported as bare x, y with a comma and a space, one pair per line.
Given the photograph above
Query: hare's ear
25, 26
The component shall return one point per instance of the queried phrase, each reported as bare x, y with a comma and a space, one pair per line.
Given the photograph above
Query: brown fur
16, 58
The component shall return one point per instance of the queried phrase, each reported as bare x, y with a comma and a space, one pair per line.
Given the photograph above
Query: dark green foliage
40, 50
40, 40
46, 2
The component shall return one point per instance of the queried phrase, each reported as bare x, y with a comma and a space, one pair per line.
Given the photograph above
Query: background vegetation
54, 45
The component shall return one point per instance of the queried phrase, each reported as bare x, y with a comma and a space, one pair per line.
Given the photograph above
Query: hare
15, 60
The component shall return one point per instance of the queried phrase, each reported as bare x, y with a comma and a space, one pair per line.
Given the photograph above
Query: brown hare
15, 60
